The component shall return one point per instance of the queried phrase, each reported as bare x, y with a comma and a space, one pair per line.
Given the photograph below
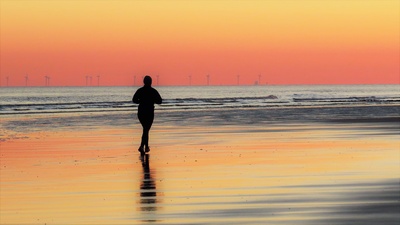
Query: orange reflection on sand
61, 177
97, 176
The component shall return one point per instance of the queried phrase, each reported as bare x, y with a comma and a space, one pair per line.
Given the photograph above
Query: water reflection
148, 193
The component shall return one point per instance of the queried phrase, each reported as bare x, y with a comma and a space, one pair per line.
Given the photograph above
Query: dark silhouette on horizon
146, 97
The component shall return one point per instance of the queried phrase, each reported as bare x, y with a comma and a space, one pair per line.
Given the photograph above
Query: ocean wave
67, 100
349, 99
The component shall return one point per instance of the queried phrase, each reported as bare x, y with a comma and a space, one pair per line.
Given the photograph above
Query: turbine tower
26, 80
208, 79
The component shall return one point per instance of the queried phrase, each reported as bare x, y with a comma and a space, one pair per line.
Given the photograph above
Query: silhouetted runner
146, 96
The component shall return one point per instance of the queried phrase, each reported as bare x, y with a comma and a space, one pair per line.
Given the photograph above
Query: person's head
147, 81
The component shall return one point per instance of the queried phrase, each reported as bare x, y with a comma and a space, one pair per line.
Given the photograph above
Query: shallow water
303, 173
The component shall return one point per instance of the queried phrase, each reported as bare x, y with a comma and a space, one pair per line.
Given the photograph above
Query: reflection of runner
148, 194
146, 97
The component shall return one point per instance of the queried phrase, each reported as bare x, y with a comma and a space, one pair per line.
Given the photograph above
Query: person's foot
141, 149
147, 148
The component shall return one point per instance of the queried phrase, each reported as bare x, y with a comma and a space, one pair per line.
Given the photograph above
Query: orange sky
287, 42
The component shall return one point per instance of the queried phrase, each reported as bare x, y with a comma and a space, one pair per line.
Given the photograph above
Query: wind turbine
208, 79
26, 80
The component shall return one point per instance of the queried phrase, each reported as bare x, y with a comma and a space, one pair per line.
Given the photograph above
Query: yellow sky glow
190, 28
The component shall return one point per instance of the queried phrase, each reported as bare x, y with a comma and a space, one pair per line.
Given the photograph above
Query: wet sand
294, 173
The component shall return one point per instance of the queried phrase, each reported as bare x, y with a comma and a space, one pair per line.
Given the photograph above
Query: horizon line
203, 85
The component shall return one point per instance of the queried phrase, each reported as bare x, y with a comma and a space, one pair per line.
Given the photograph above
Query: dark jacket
146, 97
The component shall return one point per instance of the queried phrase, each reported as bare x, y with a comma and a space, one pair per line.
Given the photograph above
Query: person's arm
135, 98
158, 99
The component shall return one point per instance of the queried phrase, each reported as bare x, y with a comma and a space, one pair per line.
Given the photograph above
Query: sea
23, 109
40, 100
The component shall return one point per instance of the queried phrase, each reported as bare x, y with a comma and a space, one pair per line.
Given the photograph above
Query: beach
204, 167
265, 112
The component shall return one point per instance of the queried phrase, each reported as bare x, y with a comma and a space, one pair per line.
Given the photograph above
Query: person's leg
146, 131
145, 136
143, 123
146, 120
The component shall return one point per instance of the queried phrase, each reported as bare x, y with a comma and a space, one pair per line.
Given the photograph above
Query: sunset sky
287, 42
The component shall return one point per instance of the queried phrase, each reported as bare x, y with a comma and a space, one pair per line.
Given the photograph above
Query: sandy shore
292, 173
